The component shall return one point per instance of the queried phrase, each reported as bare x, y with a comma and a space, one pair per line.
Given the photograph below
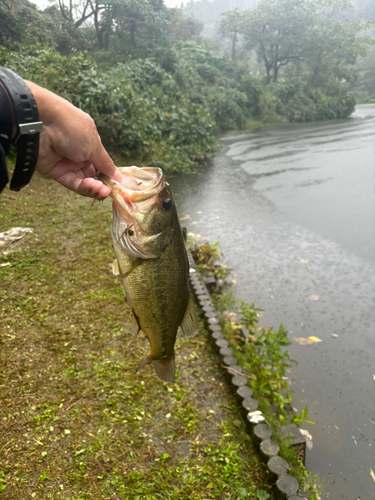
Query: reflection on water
292, 229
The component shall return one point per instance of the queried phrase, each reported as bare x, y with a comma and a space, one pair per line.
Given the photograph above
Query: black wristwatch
18, 110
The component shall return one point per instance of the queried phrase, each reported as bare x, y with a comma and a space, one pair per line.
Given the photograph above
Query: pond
293, 208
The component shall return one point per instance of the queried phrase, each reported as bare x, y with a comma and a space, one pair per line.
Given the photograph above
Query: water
293, 209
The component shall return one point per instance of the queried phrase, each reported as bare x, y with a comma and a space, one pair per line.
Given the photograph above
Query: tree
78, 12
304, 32
10, 25
230, 26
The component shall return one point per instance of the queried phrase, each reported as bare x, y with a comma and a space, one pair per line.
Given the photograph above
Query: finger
103, 163
87, 186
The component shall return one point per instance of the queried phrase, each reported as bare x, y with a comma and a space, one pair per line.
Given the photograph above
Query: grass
76, 422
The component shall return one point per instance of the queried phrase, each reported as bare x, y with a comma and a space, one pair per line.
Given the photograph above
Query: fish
152, 264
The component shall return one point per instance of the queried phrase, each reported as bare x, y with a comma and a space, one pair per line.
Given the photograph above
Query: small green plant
299, 419
267, 360
2, 481
208, 257
263, 354
262, 495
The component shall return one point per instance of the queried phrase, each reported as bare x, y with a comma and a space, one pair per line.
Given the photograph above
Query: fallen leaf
314, 297
307, 340
372, 474
255, 417
308, 437
373, 377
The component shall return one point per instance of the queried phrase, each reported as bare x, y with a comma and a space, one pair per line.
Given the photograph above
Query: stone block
244, 392
269, 448
262, 432
277, 465
287, 485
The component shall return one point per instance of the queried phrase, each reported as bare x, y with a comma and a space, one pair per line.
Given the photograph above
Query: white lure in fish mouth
132, 197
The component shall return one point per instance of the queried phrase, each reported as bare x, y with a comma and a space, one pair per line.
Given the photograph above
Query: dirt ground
76, 422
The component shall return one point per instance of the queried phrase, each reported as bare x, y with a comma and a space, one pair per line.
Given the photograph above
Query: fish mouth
133, 197
137, 185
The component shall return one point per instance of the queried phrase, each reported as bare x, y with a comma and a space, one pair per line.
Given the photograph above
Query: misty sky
44, 3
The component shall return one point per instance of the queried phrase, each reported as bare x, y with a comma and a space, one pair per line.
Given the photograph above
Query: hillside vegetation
159, 91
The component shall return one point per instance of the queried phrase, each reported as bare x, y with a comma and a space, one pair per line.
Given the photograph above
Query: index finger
104, 163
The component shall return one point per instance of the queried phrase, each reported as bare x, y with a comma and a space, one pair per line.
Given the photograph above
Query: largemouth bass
151, 262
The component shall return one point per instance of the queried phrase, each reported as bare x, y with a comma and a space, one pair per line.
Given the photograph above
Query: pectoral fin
115, 269
189, 324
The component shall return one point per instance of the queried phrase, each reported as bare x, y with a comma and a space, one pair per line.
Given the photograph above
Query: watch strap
28, 128
4, 177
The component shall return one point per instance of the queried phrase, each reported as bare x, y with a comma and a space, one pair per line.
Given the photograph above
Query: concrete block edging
286, 485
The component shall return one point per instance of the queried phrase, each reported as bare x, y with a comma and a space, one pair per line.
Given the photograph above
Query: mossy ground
76, 422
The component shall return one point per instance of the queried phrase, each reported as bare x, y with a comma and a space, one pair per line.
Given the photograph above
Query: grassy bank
77, 423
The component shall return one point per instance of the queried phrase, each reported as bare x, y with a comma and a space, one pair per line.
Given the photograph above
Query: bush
294, 102
138, 108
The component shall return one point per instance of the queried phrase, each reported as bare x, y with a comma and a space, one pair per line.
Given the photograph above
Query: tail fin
165, 368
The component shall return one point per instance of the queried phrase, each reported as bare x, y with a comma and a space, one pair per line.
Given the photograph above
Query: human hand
70, 149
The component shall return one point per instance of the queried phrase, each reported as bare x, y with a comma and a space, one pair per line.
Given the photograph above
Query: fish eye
167, 203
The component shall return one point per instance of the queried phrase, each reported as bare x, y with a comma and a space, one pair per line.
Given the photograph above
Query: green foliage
2, 481
264, 356
293, 101
266, 359
154, 89
139, 108
208, 257
311, 36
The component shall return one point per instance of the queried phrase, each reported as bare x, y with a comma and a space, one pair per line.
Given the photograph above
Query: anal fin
145, 361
